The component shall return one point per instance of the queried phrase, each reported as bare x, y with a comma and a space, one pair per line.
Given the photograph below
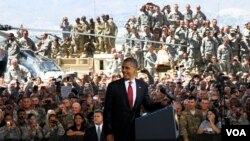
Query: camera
54, 122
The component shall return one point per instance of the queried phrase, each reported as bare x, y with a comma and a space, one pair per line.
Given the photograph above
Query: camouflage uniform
45, 47
199, 15
66, 48
224, 55
190, 123
107, 31
193, 50
65, 26
77, 38
55, 51
173, 17
13, 48
208, 48
99, 28
144, 19
27, 43
234, 43
181, 34
158, 19
114, 32
188, 14
89, 48
235, 67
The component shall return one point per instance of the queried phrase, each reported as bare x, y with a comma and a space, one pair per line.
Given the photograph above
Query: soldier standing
150, 59
144, 18
44, 46
77, 38
107, 32
193, 50
234, 40
13, 47
224, 55
90, 48
114, 32
208, 47
65, 26
188, 14
174, 17
86, 27
26, 42
158, 19
181, 34
99, 29
199, 15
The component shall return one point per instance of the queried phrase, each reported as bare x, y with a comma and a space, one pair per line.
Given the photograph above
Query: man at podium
123, 101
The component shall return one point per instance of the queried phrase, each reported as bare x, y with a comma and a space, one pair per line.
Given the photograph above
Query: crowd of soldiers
94, 36
186, 38
217, 93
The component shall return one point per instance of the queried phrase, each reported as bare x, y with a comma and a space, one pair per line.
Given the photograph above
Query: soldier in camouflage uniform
67, 48
158, 19
107, 31
77, 38
65, 26
55, 49
144, 18
193, 50
235, 66
181, 34
90, 48
190, 121
166, 11
44, 47
208, 47
99, 29
224, 55
188, 14
136, 46
86, 27
172, 50
245, 42
234, 38
13, 47
199, 15
114, 32
26, 42
174, 17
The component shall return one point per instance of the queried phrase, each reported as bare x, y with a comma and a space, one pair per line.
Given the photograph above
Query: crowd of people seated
208, 77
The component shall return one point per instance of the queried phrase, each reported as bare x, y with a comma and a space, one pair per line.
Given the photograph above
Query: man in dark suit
123, 101
94, 133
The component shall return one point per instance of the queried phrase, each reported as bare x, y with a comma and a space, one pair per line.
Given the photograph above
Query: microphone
169, 96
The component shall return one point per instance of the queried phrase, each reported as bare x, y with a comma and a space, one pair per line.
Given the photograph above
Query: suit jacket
119, 119
91, 135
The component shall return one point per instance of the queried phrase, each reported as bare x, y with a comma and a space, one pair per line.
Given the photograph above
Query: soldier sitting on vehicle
67, 48
89, 48
17, 72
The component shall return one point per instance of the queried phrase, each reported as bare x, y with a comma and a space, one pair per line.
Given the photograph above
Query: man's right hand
110, 137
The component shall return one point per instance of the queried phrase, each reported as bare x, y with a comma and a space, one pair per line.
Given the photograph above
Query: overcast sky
47, 14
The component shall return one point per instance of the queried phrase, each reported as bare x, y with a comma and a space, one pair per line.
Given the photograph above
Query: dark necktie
130, 95
99, 133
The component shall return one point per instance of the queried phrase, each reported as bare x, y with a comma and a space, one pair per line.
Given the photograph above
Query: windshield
48, 66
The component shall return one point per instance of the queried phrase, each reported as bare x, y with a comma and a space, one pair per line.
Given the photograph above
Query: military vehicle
40, 66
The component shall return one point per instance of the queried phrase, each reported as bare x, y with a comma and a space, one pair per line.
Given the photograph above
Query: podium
157, 126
